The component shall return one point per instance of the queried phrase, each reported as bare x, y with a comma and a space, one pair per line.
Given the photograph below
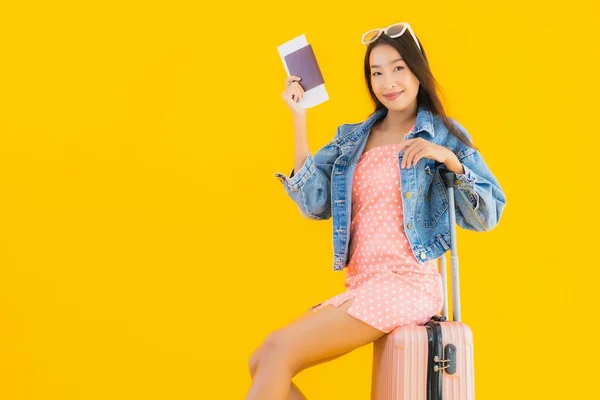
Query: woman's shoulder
460, 127
445, 137
351, 127
345, 130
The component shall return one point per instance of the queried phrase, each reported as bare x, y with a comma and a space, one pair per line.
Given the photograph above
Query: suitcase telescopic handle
448, 178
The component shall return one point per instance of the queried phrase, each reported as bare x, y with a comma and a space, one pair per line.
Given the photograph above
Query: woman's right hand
292, 94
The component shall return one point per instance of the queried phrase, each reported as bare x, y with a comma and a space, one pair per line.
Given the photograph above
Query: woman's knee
254, 360
274, 344
279, 349
273, 347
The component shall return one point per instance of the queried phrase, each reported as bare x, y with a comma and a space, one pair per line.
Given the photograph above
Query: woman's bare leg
317, 337
295, 393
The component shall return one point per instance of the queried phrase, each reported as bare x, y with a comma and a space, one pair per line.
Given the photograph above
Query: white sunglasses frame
385, 30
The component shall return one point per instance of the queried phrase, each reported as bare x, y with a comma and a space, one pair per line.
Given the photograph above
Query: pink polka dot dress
389, 286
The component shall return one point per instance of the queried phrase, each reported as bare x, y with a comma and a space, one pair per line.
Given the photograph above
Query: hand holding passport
299, 59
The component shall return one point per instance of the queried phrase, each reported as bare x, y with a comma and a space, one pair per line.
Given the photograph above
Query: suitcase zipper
430, 362
434, 371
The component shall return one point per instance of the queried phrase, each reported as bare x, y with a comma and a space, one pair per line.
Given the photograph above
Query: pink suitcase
430, 362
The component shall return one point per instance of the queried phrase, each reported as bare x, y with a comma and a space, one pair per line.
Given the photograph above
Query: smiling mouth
393, 96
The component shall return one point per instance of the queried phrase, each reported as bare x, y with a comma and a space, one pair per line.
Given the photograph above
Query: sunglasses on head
393, 31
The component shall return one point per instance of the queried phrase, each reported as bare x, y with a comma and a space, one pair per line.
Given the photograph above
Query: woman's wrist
453, 163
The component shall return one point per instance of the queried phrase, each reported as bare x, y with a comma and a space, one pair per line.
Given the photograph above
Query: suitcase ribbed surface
460, 385
400, 365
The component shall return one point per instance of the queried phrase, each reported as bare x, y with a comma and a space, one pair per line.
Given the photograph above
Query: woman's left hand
415, 149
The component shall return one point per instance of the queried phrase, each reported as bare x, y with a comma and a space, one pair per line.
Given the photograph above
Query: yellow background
146, 248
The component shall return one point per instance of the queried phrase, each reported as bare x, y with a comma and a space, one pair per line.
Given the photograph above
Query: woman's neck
399, 122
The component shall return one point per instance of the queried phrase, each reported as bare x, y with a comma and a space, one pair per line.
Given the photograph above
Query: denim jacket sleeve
479, 199
310, 186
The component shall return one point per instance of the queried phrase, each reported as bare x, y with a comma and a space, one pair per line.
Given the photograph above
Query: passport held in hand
299, 59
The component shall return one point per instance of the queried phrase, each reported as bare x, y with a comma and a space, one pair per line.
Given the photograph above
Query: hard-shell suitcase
433, 361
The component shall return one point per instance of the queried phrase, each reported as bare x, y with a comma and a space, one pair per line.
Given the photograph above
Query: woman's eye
375, 73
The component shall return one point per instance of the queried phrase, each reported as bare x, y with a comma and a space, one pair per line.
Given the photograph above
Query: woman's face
390, 74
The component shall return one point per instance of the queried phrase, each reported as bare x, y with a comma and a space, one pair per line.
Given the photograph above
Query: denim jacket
321, 188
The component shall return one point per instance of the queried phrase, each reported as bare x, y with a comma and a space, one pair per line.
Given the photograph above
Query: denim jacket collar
423, 123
